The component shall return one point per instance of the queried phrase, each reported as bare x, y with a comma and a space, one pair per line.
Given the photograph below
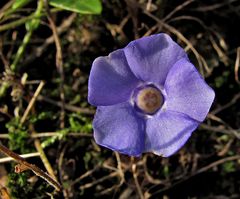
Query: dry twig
180, 7
199, 171
67, 106
28, 155
237, 63
32, 167
31, 103
225, 106
139, 190
59, 63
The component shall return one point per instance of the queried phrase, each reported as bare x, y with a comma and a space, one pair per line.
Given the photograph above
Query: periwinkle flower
149, 97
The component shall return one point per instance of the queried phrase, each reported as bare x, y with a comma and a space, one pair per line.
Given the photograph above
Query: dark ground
208, 166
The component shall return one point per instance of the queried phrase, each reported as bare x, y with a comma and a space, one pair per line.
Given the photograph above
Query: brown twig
221, 129
148, 176
67, 106
88, 173
148, 6
135, 177
214, 6
199, 171
31, 103
61, 172
222, 56
32, 167
59, 63
50, 134
43, 156
119, 166
226, 148
133, 12
29, 155
218, 119
36, 141
225, 106
180, 7
88, 185
237, 63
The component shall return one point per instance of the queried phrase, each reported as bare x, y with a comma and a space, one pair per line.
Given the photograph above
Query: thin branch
88, 185
119, 166
199, 171
32, 102
214, 6
36, 141
50, 134
28, 155
237, 63
61, 173
59, 63
221, 129
88, 173
32, 167
223, 107
140, 193
43, 156
180, 7
67, 106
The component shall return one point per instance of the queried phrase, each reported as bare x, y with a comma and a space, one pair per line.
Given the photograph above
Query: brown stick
31, 103
201, 170
68, 107
59, 63
32, 167
237, 63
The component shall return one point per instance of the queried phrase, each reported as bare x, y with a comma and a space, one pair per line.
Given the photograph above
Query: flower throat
149, 99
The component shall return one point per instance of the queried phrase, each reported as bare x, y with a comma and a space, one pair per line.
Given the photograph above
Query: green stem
21, 50
16, 23
33, 25
23, 20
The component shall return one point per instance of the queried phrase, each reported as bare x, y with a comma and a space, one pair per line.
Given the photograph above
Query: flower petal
187, 92
119, 128
111, 80
150, 58
167, 132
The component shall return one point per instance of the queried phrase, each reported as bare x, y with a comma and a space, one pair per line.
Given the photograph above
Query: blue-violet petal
111, 80
187, 92
150, 58
167, 132
119, 128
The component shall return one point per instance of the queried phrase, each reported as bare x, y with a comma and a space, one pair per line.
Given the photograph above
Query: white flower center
149, 100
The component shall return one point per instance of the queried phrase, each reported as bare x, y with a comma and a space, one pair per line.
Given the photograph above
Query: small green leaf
80, 6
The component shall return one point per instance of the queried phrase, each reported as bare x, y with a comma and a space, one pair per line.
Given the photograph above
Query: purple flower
149, 97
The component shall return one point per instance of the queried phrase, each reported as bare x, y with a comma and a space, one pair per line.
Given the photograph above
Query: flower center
149, 99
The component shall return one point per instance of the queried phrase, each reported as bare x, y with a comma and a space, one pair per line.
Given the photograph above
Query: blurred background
46, 51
